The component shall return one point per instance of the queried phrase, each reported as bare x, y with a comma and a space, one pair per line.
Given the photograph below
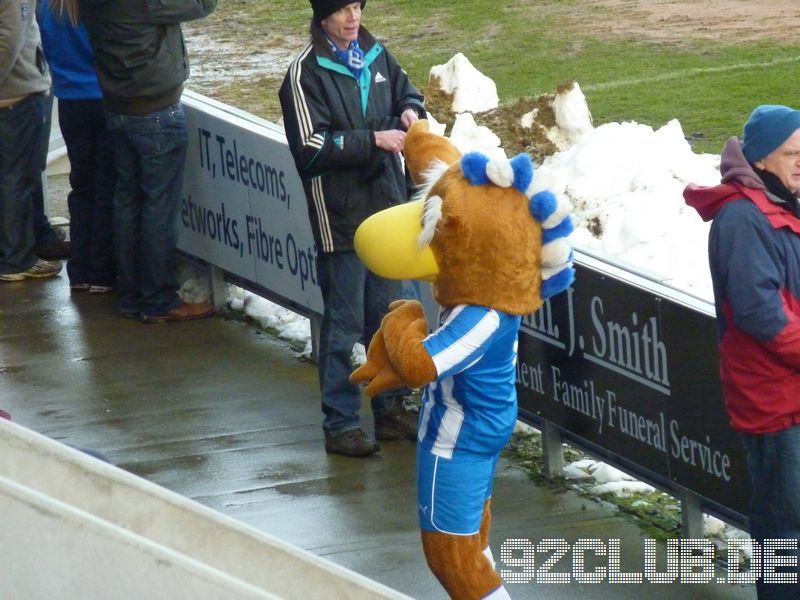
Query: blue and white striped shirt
472, 405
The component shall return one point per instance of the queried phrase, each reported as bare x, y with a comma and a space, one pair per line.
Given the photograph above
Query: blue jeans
150, 157
21, 131
355, 303
91, 200
774, 463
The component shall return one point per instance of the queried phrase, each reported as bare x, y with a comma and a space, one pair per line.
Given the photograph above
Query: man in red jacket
754, 255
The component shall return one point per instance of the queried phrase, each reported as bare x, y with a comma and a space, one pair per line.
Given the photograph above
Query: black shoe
56, 247
399, 422
353, 442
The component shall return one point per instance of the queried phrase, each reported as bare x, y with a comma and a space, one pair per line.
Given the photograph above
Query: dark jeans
355, 303
774, 463
92, 177
150, 157
20, 174
42, 230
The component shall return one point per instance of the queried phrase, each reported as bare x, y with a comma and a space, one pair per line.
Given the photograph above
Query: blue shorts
451, 493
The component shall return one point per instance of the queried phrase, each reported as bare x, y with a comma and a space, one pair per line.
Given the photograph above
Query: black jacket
330, 118
139, 50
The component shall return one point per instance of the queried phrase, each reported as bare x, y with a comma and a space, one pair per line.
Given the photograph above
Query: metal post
552, 452
691, 515
218, 288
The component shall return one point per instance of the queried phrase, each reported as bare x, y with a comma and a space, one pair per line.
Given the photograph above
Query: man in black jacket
141, 65
346, 105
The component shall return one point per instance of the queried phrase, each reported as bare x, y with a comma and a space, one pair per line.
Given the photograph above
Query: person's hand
408, 118
392, 140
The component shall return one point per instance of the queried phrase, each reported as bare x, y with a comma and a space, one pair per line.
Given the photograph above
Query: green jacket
139, 50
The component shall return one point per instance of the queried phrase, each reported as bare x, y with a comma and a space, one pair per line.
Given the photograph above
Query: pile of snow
472, 90
573, 118
467, 135
625, 181
288, 325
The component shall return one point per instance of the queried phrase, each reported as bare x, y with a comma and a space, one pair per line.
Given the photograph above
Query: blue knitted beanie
767, 128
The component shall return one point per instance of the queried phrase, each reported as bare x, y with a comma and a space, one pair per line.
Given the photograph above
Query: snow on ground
251, 63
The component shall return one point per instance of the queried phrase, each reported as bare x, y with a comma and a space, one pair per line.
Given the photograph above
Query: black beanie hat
325, 8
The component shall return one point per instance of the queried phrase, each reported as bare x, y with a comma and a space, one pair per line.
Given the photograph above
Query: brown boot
399, 422
353, 442
184, 312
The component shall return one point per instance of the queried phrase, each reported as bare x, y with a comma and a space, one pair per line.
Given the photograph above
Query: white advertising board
243, 208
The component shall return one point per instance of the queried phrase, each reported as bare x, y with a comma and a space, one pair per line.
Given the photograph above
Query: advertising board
633, 370
243, 207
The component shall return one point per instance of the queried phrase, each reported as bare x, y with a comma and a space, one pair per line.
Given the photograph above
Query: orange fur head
487, 246
424, 149
494, 241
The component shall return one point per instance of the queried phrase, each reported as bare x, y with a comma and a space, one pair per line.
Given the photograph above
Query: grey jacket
23, 69
139, 50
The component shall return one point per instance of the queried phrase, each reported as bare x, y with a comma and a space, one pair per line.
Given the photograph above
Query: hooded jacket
754, 255
23, 69
329, 119
139, 50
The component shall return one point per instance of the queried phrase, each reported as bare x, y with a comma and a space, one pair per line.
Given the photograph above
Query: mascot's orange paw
377, 372
393, 356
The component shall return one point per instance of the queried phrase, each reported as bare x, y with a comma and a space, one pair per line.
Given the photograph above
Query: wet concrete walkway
229, 416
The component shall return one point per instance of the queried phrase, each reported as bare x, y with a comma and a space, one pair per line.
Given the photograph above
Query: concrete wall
76, 527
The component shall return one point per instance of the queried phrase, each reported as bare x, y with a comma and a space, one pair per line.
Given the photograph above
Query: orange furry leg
486, 523
460, 565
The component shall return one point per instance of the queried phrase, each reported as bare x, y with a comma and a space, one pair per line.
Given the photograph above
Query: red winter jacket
754, 255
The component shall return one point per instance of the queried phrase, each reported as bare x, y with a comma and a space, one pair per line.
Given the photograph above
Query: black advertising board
625, 366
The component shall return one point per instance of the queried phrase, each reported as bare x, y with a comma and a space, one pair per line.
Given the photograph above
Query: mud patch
685, 20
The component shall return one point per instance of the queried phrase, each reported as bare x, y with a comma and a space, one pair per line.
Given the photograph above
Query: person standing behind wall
142, 65
91, 154
24, 102
346, 105
754, 255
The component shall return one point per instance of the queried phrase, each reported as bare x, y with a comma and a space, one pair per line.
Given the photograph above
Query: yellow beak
387, 244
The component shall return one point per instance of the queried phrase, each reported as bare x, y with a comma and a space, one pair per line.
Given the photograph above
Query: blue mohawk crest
543, 204
473, 166
563, 229
522, 165
557, 282
553, 213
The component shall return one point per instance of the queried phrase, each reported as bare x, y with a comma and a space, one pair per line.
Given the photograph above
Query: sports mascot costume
493, 250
